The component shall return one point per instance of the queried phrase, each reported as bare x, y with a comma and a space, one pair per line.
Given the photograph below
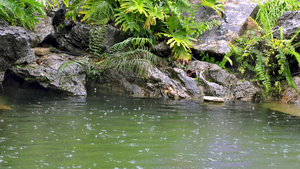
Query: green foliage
218, 7
98, 12
130, 44
51, 3
270, 11
92, 11
145, 21
207, 58
150, 19
285, 47
21, 12
131, 55
74, 9
258, 51
129, 22
178, 39
97, 40
69, 66
25, 12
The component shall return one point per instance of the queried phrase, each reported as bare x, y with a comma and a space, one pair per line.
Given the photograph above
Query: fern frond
71, 65
179, 6
137, 6
289, 77
6, 9
23, 12
47, 3
218, 7
296, 54
74, 9
97, 39
263, 73
130, 43
129, 21
181, 54
138, 61
285, 68
98, 12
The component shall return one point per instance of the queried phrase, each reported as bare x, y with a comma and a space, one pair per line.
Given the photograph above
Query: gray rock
189, 83
218, 82
43, 30
216, 40
290, 22
289, 94
75, 40
169, 87
162, 49
58, 13
2, 76
70, 81
113, 36
15, 46
171, 83
3, 23
118, 82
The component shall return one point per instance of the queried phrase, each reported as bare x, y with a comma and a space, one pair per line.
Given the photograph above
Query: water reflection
112, 131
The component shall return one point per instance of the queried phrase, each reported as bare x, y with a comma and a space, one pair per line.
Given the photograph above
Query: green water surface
113, 131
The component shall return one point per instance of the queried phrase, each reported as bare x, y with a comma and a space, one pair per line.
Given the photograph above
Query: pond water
115, 131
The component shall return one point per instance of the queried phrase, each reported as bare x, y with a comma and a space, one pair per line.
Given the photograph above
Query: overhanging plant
144, 21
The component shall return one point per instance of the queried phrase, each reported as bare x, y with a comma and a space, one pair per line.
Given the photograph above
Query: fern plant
270, 11
182, 30
77, 64
285, 47
92, 11
21, 12
261, 53
131, 55
97, 40
139, 18
98, 12
51, 3
145, 21
25, 12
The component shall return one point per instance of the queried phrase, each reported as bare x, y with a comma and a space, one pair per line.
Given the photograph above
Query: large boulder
162, 49
290, 23
46, 73
73, 37
218, 82
175, 83
113, 36
232, 25
15, 46
169, 83
42, 31
289, 94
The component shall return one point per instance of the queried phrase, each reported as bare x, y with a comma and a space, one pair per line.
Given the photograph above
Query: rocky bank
18, 58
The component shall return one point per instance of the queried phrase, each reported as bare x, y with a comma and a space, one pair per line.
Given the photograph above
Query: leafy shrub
145, 21
21, 12
151, 19
258, 51
25, 12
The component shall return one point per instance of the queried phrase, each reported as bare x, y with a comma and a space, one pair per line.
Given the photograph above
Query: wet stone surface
45, 72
